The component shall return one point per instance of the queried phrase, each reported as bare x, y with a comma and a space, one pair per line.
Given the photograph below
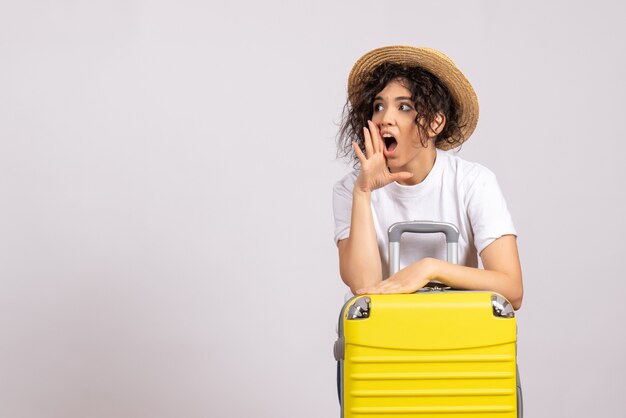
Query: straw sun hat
433, 61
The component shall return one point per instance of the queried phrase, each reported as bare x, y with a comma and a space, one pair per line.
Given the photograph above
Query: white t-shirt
456, 191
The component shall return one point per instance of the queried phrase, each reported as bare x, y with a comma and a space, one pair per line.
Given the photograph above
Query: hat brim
436, 63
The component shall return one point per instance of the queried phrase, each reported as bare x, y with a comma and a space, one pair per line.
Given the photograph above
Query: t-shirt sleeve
487, 210
342, 206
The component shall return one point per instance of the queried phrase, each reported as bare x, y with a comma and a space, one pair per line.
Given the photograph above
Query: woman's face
394, 113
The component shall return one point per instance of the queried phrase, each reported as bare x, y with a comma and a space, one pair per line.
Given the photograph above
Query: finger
394, 284
386, 290
405, 175
377, 289
380, 290
389, 287
397, 288
368, 142
368, 291
359, 153
376, 139
371, 290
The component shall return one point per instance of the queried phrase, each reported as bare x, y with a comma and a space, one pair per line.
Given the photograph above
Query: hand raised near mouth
374, 171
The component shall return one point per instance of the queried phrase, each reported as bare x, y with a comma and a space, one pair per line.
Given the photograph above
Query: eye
405, 107
378, 107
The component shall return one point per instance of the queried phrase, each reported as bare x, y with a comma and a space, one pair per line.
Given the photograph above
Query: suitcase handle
422, 227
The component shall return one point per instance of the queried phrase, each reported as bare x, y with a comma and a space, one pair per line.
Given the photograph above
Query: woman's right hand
374, 171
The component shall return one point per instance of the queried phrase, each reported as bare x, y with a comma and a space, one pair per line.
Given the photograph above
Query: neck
420, 166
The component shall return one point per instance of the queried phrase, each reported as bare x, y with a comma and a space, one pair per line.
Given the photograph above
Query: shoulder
467, 173
346, 183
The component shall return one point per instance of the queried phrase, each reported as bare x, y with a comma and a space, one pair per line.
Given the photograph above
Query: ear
438, 124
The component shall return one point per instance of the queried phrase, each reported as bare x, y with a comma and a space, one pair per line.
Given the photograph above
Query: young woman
406, 107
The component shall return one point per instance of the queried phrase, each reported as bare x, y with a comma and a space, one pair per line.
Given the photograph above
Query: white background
165, 197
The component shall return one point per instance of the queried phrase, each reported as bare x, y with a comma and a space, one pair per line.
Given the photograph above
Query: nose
386, 117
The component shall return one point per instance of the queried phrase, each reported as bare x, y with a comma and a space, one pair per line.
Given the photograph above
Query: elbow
512, 290
515, 291
354, 289
349, 281
354, 285
359, 281
351, 284
516, 299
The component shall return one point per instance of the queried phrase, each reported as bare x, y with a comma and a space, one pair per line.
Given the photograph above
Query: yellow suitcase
435, 353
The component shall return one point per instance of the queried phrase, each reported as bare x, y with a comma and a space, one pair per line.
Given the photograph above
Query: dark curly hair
428, 93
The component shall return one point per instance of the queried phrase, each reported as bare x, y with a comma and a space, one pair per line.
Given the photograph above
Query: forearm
456, 276
502, 274
359, 257
359, 260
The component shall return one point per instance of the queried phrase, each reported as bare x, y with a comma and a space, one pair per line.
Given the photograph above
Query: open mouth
390, 143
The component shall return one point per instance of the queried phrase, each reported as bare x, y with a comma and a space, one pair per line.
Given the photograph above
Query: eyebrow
397, 99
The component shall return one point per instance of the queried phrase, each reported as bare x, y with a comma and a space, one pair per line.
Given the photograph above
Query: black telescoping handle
421, 227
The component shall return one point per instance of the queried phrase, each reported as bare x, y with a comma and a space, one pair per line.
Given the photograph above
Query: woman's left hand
407, 280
